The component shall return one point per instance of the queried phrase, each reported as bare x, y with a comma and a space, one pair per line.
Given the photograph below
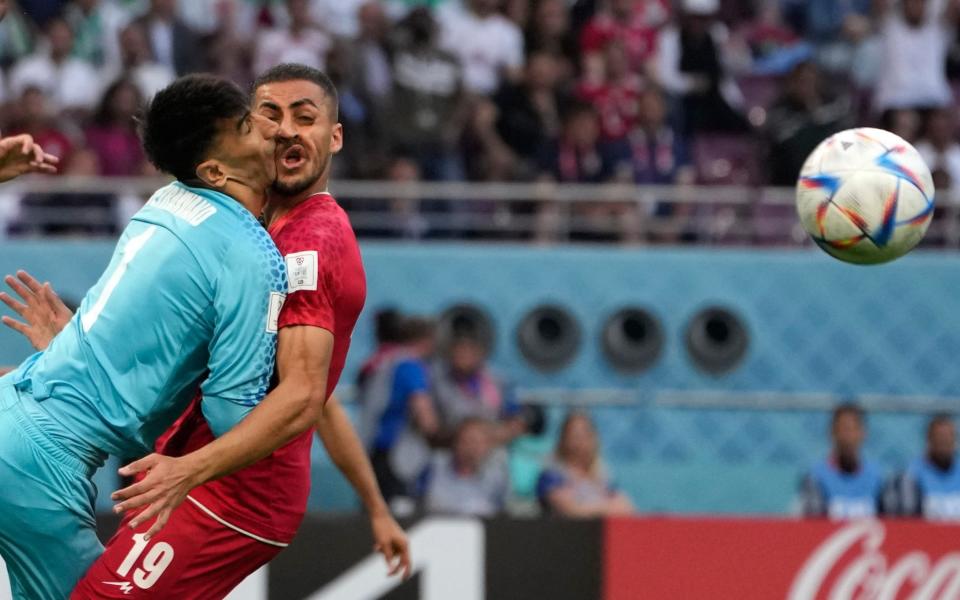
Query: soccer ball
865, 196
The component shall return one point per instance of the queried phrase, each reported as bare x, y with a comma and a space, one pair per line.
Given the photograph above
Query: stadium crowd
648, 91
439, 423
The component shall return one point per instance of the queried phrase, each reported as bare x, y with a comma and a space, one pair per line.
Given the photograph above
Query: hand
166, 485
43, 311
390, 540
19, 155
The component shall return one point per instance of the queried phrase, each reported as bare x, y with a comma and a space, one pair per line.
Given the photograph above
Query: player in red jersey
231, 526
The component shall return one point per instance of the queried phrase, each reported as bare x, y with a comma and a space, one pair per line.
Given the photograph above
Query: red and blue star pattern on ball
831, 184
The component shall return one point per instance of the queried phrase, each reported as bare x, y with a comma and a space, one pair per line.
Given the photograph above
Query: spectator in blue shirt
845, 485
930, 487
398, 411
576, 483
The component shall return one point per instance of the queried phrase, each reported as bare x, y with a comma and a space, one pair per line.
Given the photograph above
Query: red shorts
193, 557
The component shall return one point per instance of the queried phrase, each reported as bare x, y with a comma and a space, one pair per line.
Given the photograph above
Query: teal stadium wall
817, 328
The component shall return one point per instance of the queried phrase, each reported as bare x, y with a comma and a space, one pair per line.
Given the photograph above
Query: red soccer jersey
638, 35
327, 289
616, 104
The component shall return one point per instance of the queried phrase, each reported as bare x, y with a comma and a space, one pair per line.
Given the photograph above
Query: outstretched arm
303, 357
345, 449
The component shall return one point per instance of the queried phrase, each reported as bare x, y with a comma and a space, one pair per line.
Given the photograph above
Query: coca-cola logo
851, 565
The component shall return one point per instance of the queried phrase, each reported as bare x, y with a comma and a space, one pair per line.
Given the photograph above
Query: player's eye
306, 120
270, 114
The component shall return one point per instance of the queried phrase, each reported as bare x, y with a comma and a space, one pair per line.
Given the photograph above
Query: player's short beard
297, 187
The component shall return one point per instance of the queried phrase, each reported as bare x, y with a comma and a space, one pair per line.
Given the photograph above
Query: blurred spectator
138, 64
373, 73
399, 417
940, 150
464, 386
228, 46
33, 116
659, 155
806, 114
96, 26
550, 31
613, 89
388, 324
69, 83
16, 35
342, 18
905, 122
930, 487
696, 63
774, 47
576, 483
113, 133
175, 45
529, 113
301, 42
488, 45
915, 37
470, 479
845, 485
486, 156
427, 100
579, 155
632, 23
836, 27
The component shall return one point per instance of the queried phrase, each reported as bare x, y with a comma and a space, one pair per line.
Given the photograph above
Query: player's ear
212, 173
336, 138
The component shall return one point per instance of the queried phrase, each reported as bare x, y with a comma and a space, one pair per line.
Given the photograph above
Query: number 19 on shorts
149, 570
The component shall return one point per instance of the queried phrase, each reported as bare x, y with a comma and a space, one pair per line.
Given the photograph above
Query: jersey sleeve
313, 273
246, 305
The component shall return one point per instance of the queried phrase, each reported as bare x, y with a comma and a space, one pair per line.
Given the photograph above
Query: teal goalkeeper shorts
48, 534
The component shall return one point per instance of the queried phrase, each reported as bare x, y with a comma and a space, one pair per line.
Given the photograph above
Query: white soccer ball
865, 196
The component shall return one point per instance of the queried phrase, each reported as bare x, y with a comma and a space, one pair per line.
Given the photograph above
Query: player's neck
249, 198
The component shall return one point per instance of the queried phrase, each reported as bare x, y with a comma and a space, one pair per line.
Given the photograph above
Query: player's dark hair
297, 72
180, 124
939, 419
847, 408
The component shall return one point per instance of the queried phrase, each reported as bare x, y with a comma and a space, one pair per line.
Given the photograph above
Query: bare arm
303, 357
564, 503
346, 451
424, 416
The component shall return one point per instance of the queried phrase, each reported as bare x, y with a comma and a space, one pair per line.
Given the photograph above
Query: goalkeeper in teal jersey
190, 298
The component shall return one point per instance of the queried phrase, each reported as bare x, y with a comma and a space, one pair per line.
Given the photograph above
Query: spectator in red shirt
113, 135
613, 89
634, 23
35, 118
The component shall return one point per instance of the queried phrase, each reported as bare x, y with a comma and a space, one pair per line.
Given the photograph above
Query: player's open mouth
293, 157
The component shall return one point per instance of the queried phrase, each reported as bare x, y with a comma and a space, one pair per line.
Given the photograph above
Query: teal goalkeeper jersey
190, 298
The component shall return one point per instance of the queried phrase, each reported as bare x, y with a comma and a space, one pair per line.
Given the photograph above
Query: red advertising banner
744, 559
